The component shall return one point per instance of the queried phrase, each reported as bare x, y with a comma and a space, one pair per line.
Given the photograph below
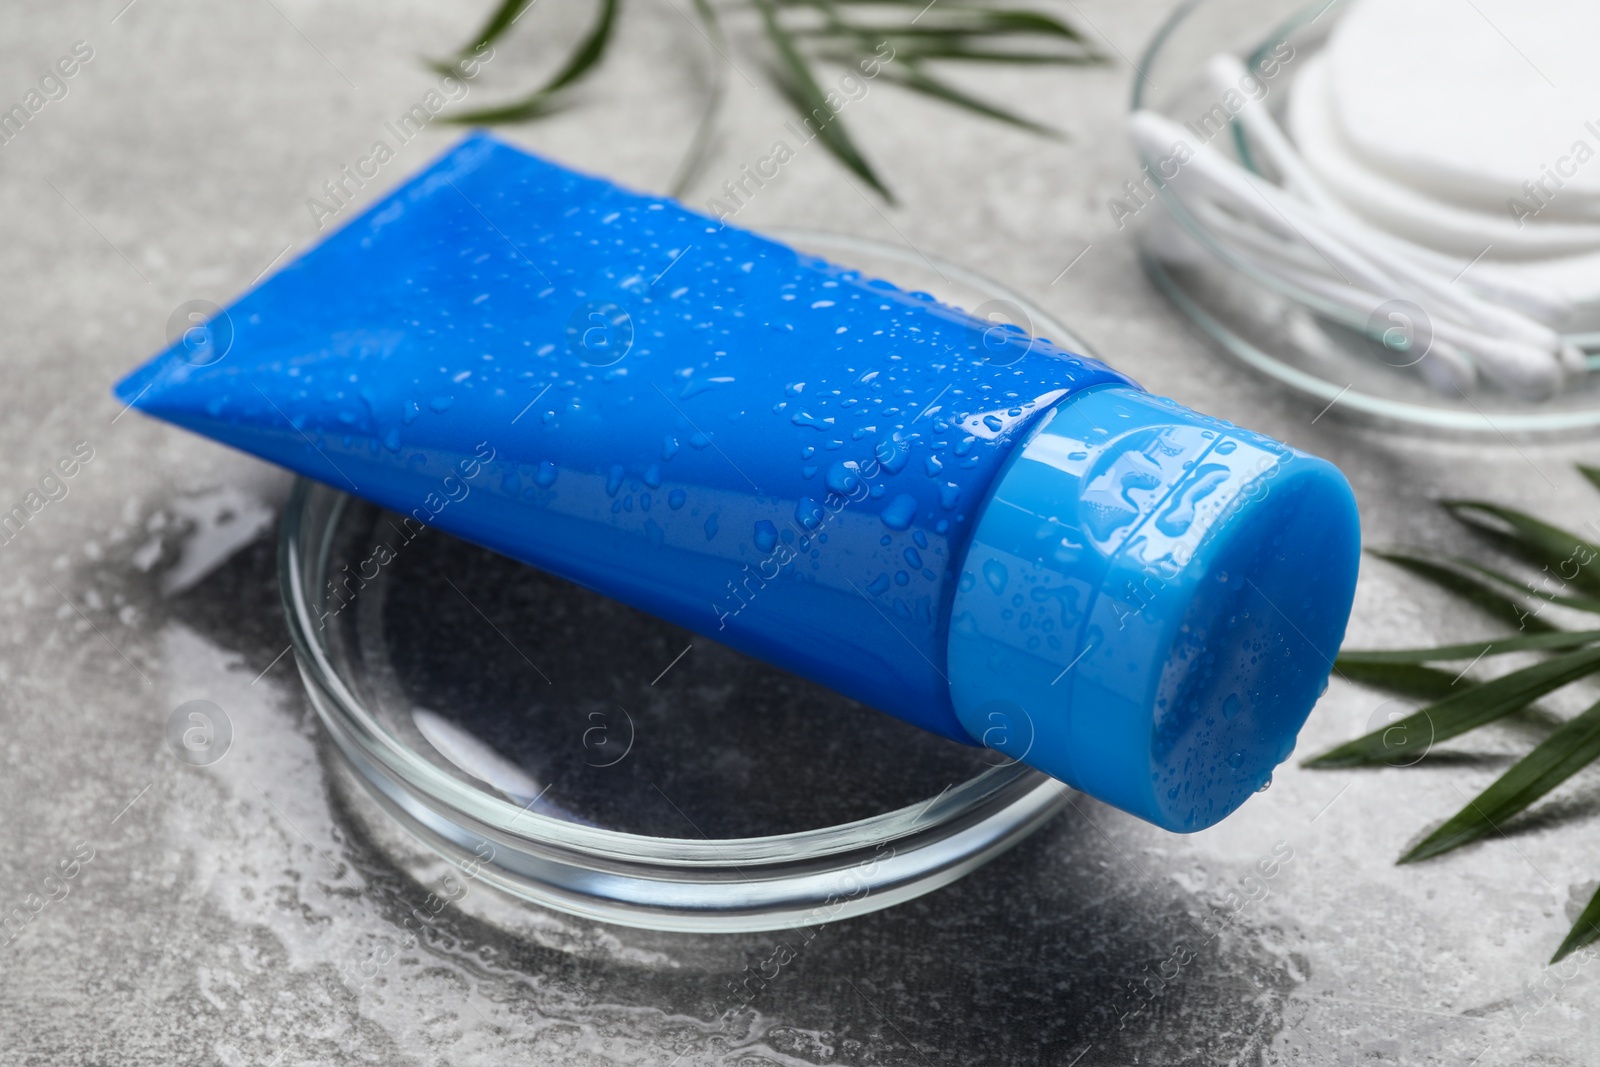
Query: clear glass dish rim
987, 794
1472, 419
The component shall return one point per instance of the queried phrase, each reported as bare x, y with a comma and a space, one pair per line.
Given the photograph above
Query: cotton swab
1516, 352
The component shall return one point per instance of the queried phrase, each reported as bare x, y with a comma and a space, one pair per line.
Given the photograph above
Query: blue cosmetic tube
946, 520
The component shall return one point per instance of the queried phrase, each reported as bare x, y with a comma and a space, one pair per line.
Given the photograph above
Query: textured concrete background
220, 904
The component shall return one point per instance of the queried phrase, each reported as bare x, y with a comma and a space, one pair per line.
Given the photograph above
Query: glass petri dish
1292, 336
582, 756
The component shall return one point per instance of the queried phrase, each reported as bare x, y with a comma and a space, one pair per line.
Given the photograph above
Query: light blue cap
1151, 604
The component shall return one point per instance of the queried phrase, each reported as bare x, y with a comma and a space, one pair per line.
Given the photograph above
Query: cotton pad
1469, 128
1417, 212
1466, 100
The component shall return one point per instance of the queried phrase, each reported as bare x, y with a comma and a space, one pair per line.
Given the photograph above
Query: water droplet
805, 418
546, 476
614, 479
441, 403
1176, 519
808, 513
702, 385
901, 510
1231, 706
995, 573
391, 440
1264, 786
409, 413
842, 477
676, 498
711, 526
893, 453
766, 536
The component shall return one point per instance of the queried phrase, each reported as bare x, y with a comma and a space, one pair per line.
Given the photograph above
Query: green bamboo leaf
694, 156
1423, 683
1583, 932
499, 21
542, 100
944, 5
1580, 603
1493, 646
1541, 543
921, 81
534, 106
1561, 755
953, 21
1464, 711
1591, 473
800, 86
912, 51
1480, 594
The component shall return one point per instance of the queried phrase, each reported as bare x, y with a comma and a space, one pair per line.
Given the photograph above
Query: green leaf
1493, 646
542, 100
800, 86
921, 81
912, 51
1544, 545
1424, 683
969, 21
1561, 755
1464, 711
499, 22
1591, 473
694, 155
534, 106
1584, 931
1580, 603
1480, 594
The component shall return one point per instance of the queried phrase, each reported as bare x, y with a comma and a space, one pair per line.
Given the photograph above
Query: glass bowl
586, 757
1295, 337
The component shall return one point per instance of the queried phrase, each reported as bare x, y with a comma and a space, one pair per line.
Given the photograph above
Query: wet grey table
210, 911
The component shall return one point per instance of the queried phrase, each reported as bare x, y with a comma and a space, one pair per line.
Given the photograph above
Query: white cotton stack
1469, 128
1438, 152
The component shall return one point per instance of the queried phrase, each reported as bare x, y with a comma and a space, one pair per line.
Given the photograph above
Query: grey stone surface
222, 903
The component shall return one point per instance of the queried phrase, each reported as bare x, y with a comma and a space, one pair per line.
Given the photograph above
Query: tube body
770, 450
